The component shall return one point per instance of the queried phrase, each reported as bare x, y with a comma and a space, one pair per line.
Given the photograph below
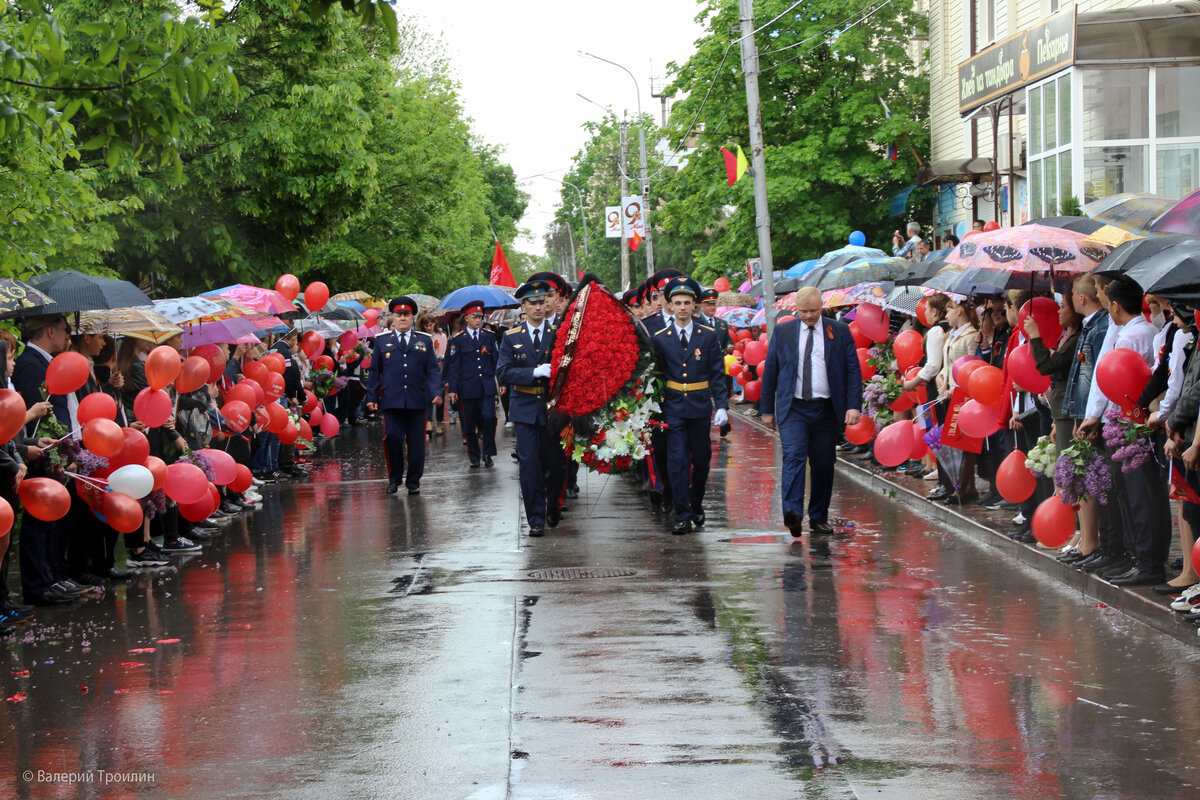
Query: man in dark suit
524, 365
811, 380
403, 378
693, 366
471, 373
45, 337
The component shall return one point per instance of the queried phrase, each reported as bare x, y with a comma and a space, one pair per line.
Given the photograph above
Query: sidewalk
989, 528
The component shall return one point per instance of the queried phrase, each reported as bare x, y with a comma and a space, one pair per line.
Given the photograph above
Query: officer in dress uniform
708, 316
403, 378
655, 320
471, 375
525, 352
557, 300
658, 317
693, 366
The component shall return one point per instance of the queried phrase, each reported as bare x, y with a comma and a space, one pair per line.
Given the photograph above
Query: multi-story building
1036, 101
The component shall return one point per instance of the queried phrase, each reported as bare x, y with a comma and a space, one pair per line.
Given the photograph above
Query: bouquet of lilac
1081, 472
1129, 441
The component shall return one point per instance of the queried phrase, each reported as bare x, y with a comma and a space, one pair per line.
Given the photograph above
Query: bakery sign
1022, 59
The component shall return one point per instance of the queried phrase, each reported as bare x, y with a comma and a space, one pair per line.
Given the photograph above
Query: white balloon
132, 479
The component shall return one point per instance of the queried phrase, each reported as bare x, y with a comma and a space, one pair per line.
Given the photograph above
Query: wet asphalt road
343, 643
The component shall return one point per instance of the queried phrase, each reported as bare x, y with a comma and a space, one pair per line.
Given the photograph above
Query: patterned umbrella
904, 299
863, 271
359, 297
1077, 224
124, 321
734, 299
869, 292
265, 301
327, 329
217, 331
738, 317
851, 252
787, 301
18, 297
181, 309
1131, 211
1183, 217
1111, 236
1028, 248
424, 300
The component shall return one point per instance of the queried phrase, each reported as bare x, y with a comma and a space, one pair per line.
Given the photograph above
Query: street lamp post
645, 176
582, 219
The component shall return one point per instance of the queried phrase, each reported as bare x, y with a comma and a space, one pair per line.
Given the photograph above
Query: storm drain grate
576, 573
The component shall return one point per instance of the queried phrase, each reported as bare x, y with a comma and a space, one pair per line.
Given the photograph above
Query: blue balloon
858, 239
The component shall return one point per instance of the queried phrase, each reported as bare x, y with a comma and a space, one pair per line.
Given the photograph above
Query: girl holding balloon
956, 468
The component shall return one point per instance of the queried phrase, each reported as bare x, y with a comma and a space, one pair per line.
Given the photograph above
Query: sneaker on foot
149, 557
181, 545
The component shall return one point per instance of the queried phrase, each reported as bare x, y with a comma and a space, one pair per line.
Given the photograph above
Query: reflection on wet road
340, 642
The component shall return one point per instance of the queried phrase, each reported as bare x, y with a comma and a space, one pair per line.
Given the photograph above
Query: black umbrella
921, 271
782, 286
75, 291
969, 281
344, 313
18, 298
1165, 265
1077, 224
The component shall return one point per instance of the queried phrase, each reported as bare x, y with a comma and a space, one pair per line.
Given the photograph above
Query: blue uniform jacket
515, 369
782, 366
403, 379
721, 327
703, 361
471, 365
29, 373
656, 322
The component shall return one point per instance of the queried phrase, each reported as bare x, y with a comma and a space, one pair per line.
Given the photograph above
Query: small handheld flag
735, 165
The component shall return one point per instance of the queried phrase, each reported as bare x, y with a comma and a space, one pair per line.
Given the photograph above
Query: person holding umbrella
403, 379
471, 375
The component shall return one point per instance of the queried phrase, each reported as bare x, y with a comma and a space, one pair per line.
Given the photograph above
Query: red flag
731, 173
635, 241
1180, 490
501, 274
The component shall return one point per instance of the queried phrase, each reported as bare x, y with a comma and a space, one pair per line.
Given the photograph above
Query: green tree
827, 68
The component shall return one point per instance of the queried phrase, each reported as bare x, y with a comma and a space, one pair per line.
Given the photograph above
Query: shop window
1117, 104
1113, 170
1177, 112
1049, 116
1064, 110
1035, 190
1178, 169
1035, 121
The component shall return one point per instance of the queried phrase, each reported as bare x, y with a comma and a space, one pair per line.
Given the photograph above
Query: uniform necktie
683, 339
806, 375
404, 340
537, 340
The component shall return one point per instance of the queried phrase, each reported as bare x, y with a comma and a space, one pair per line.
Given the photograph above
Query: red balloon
255, 370
326, 363
920, 449
785, 318
45, 498
158, 468
764, 338
330, 425
348, 340
289, 434
371, 315
860, 338
1045, 314
274, 387
922, 312
193, 373
316, 295
894, 443
202, 508
979, 420
288, 285
956, 369
185, 483
68, 372
122, 512
312, 343
909, 349
216, 358
1053, 522
316, 416
277, 418
1196, 546
243, 392
986, 384
744, 377
721, 284
162, 366
1024, 372
862, 431
274, 362
243, 480
97, 405
991, 225
868, 371
737, 368
135, 449
152, 407
12, 414
753, 391
261, 418
224, 467
903, 403
92, 493
7, 517
756, 353
1014, 480
873, 321
237, 415
305, 430
103, 437
745, 334
1122, 374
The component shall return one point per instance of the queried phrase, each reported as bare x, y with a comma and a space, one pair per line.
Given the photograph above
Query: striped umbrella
1133, 211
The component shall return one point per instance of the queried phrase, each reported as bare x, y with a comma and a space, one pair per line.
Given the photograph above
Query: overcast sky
520, 72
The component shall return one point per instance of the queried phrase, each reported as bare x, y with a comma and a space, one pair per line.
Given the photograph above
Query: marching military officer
693, 366
708, 316
559, 297
658, 316
471, 375
524, 365
403, 378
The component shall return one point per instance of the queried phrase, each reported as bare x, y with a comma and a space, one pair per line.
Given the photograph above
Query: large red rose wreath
595, 352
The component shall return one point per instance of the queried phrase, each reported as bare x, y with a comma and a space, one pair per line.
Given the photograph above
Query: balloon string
99, 483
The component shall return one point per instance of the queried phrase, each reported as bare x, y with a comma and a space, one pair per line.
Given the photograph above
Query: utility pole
662, 99
624, 193
574, 276
762, 219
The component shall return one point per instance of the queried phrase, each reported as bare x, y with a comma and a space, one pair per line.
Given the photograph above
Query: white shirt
1097, 403
685, 331
935, 339
1174, 373
820, 378
540, 329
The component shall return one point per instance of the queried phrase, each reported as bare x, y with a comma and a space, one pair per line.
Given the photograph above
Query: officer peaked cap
533, 290
708, 294
473, 307
403, 303
557, 282
681, 285
659, 279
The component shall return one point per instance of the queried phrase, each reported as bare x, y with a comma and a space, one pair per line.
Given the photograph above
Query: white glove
721, 417
541, 371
